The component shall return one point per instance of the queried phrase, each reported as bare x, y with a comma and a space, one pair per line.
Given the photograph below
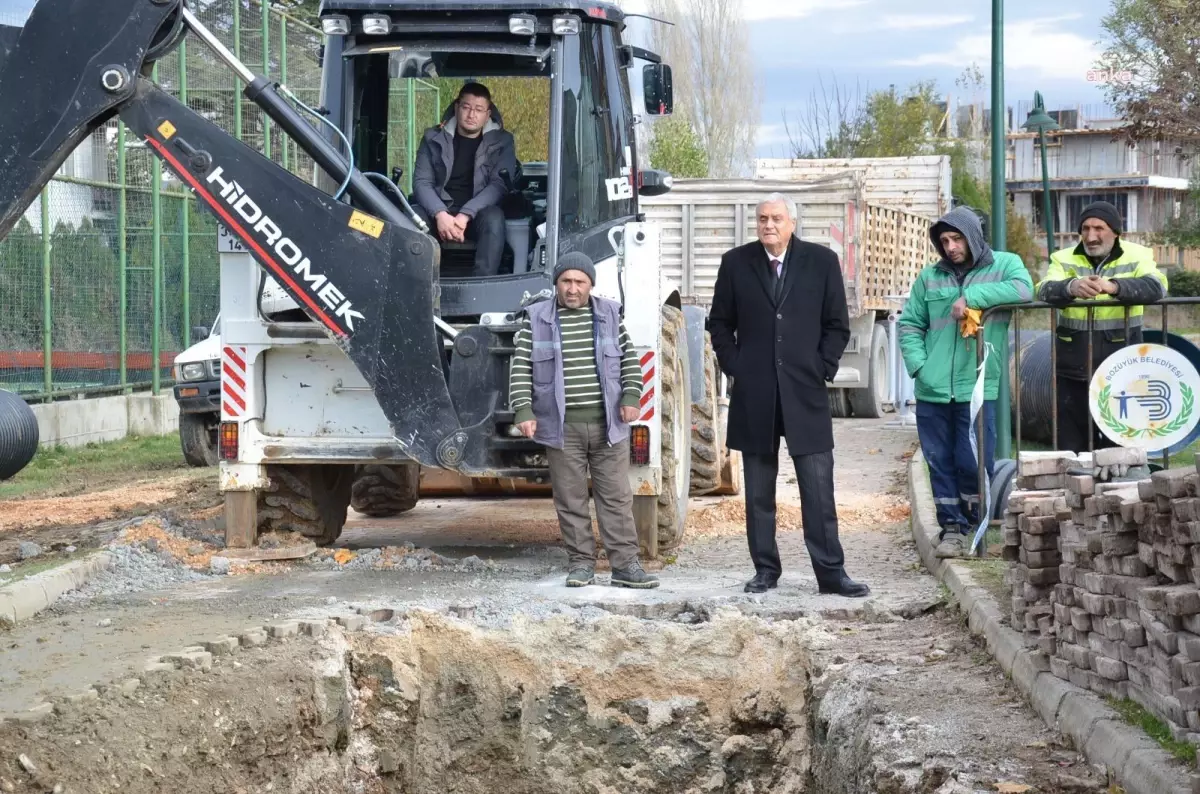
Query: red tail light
229, 441
639, 445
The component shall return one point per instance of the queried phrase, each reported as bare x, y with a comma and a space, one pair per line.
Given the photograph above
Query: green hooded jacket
940, 360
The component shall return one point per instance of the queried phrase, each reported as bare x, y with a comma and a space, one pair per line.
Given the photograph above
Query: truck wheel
839, 403
308, 499
198, 438
708, 440
868, 403
675, 406
382, 491
731, 475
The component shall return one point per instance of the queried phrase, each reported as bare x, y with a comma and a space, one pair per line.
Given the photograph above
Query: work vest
1135, 261
1108, 322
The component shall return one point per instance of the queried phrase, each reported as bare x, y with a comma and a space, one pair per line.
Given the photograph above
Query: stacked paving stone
1096, 615
1106, 577
1036, 509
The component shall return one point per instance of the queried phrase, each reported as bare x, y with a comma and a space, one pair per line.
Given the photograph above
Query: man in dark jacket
456, 179
779, 327
1103, 267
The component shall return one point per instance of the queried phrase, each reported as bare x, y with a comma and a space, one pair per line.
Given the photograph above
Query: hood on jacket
964, 221
451, 126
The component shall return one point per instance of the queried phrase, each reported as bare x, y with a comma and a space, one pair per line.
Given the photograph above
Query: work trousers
586, 450
486, 230
944, 431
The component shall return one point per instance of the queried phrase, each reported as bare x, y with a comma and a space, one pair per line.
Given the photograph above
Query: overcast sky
876, 43
1049, 46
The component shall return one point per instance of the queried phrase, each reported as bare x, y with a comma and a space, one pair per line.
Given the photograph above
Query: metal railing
1016, 311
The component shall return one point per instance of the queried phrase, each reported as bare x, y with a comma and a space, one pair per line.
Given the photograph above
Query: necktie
777, 265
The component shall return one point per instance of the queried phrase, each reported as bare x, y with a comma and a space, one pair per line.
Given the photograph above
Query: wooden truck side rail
895, 247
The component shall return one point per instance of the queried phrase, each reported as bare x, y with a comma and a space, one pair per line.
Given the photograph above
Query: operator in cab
457, 182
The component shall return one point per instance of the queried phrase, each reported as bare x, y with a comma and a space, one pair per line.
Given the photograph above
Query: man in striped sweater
575, 386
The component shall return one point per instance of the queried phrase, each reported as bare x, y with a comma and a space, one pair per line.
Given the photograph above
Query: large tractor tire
668, 511
309, 499
708, 433
868, 403
382, 491
198, 439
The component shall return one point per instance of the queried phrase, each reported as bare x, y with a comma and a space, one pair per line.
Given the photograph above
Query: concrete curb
1136, 762
26, 598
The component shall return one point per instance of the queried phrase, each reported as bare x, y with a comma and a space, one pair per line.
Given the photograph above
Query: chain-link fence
105, 276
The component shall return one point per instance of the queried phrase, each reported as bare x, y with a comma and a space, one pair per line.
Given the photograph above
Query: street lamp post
1039, 121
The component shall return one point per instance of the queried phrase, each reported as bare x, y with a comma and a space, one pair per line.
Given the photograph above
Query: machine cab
558, 75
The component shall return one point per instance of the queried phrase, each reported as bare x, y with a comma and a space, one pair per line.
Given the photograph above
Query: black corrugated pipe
1036, 387
18, 434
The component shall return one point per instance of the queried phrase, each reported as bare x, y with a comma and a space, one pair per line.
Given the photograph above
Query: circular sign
1145, 396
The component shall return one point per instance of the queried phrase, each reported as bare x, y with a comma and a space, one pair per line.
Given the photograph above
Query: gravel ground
135, 569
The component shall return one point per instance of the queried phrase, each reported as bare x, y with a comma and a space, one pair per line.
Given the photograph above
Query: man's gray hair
779, 198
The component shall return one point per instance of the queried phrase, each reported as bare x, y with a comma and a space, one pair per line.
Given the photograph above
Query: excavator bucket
70, 66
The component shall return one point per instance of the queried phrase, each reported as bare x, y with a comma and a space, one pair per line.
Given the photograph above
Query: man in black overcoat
779, 326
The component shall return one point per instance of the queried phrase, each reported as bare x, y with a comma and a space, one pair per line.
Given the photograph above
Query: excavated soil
482, 676
92, 519
424, 703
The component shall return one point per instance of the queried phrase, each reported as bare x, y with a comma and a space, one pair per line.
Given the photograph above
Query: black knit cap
1103, 211
575, 260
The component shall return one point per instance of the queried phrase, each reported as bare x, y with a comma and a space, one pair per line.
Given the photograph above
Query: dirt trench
425, 703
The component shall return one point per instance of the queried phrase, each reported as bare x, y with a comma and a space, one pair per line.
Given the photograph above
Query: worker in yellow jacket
1102, 267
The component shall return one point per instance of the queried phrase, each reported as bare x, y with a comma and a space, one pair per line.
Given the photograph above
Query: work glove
970, 323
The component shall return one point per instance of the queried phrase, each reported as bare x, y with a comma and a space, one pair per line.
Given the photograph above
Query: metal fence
1046, 389
109, 270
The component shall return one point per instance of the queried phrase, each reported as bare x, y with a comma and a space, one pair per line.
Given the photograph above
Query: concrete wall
75, 423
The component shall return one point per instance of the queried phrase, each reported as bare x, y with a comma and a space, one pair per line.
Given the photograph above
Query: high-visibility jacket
1138, 280
942, 363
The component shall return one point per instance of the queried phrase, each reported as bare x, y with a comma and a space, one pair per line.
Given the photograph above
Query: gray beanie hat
575, 260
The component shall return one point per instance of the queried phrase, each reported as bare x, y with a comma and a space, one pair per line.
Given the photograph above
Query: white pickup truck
198, 392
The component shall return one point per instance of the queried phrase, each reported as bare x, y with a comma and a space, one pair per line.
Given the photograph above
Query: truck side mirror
200, 332
658, 89
654, 183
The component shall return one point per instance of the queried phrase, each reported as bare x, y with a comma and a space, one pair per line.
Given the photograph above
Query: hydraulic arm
360, 270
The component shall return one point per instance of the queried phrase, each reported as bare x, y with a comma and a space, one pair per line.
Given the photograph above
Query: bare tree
831, 125
1151, 66
716, 88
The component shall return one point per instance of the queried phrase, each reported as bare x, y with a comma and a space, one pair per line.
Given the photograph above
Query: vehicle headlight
193, 371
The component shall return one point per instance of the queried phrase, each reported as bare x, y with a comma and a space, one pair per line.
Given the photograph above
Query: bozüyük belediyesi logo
1145, 396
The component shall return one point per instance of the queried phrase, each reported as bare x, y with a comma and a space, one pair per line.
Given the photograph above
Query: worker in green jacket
969, 277
1103, 267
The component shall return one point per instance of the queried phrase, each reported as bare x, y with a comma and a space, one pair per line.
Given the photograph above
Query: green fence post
266, 46
237, 50
185, 211
47, 316
999, 154
156, 266
412, 131
283, 139
122, 257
